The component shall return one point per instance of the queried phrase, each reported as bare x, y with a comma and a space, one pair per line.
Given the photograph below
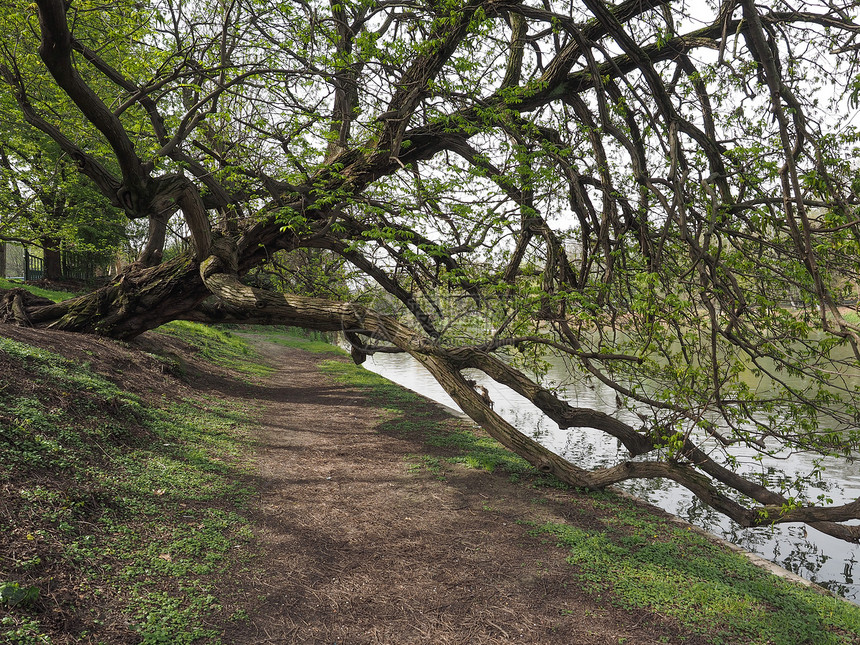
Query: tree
662, 194
47, 204
44, 201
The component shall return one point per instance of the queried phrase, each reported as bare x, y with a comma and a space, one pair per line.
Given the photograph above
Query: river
815, 556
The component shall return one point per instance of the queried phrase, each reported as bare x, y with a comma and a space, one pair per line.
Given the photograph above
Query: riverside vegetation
126, 490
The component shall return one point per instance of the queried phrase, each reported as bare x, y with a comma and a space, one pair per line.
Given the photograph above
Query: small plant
433, 465
23, 631
13, 594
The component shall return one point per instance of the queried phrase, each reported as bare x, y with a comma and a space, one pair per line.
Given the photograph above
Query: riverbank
816, 557
584, 555
360, 513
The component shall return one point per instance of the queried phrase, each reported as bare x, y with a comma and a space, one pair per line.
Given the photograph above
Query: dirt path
362, 546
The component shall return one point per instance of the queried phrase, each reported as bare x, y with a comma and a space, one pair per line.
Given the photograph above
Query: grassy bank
51, 294
121, 512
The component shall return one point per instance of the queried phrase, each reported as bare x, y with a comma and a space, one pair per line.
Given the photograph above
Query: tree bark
52, 267
139, 299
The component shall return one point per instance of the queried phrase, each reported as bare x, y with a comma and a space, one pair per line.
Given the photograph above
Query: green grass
852, 317
379, 390
219, 346
419, 463
111, 498
56, 296
639, 561
314, 342
406, 418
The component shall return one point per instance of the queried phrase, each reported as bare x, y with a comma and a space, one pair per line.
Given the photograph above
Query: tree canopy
663, 193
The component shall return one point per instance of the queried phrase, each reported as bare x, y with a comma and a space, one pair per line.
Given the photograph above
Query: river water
815, 556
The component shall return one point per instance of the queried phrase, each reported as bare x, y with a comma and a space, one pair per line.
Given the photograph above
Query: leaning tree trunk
219, 274
139, 299
144, 298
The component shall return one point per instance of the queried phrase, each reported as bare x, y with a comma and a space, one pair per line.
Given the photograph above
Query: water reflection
800, 549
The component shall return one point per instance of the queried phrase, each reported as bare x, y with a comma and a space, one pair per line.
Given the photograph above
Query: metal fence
34, 267
21, 264
77, 266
